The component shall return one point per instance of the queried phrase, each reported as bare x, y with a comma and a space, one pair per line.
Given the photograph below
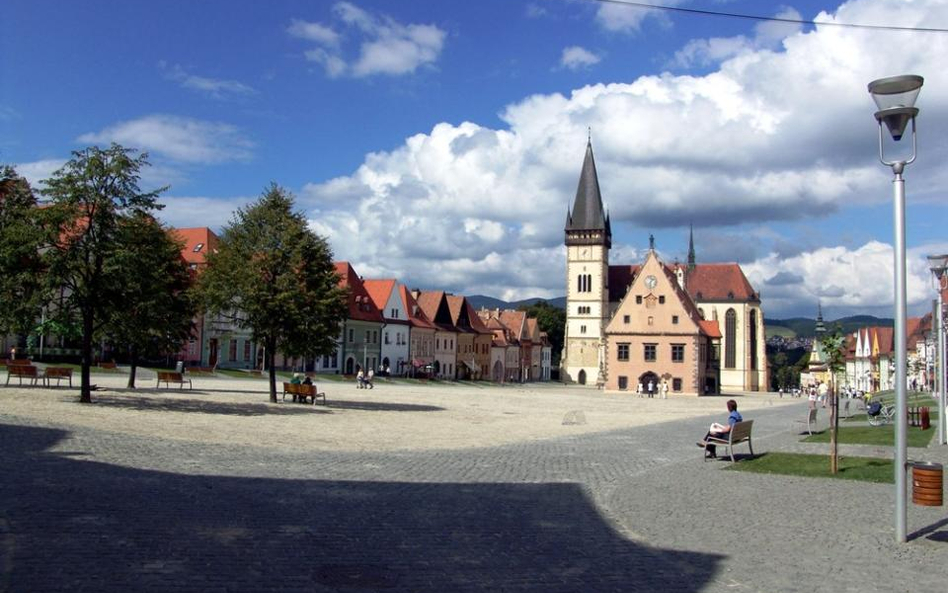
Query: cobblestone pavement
630, 510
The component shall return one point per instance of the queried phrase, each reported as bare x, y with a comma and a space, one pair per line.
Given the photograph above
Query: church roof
719, 282
710, 327
588, 213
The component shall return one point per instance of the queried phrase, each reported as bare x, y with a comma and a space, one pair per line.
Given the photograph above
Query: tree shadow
200, 406
68, 524
381, 406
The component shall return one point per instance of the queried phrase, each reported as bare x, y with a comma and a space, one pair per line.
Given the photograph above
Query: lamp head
895, 97
937, 264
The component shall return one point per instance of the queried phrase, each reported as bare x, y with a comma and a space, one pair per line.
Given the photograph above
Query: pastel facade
395, 350
436, 309
360, 344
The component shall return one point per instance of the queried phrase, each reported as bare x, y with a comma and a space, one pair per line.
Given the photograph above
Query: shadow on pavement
381, 406
199, 406
67, 524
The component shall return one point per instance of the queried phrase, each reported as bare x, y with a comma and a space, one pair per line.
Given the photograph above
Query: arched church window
730, 335
753, 339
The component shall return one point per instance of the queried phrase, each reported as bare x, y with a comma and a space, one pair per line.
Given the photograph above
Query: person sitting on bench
719, 431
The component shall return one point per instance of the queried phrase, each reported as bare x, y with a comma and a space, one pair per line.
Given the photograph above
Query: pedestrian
822, 393
639, 389
360, 380
664, 389
368, 379
651, 388
811, 397
780, 391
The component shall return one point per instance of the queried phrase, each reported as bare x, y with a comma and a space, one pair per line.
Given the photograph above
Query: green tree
152, 280
89, 195
21, 267
551, 320
273, 275
834, 353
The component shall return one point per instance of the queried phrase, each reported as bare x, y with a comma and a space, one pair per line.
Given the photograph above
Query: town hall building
679, 328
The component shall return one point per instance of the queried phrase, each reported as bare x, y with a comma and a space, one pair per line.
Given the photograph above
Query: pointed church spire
588, 213
820, 327
691, 247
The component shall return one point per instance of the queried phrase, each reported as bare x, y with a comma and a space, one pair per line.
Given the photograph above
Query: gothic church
670, 328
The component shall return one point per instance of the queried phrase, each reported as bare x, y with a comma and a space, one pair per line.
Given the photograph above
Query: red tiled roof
886, 336
477, 324
198, 242
416, 316
430, 303
516, 323
718, 282
710, 327
361, 307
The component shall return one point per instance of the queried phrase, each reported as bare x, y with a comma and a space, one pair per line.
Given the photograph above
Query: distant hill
806, 328
481, 301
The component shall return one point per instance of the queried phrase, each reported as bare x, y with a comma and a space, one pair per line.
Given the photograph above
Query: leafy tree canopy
21, 267
273, 275
551, 320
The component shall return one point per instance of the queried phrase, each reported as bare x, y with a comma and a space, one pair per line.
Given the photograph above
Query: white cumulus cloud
385, 46
575, 58
182, 139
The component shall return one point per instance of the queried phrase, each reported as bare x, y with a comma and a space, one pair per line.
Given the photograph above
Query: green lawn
866, 469
874, 435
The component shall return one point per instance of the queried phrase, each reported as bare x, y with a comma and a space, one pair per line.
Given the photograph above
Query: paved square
428, 488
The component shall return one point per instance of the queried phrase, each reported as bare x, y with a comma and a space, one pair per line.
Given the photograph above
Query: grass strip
864, 469
883, 436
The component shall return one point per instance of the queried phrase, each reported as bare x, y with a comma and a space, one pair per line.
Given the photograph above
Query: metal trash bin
179, 366
927, 484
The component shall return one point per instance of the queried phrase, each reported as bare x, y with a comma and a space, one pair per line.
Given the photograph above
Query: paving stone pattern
631, 510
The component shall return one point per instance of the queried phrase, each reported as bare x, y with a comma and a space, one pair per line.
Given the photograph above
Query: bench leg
750, 446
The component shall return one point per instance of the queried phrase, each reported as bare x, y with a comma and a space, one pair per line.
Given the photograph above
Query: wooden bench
200, 370
810, 421
110, 366
10, 362
739, 433
169, 377
58, 373
24, 372
302, 392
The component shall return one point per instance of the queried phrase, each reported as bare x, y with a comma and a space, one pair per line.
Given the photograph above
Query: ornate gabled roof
588, 213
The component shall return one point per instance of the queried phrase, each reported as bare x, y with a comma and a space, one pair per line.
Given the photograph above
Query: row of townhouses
870, 357
389, 329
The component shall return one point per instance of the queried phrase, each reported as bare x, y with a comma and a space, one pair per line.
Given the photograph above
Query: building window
198, 247
352, 335
753, 339
661, 300
368, 336
678, 353
247, 350
730, 335
676, 384
651, 320
650, 352
233, 350
375, 337
674, 320
701, 313
638, 299
385, 338
582, 329
622, 352
625, 319
623, 383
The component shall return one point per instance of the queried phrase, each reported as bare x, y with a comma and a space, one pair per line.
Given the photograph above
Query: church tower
588, 240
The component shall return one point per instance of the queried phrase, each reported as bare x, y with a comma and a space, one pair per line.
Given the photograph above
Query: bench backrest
169, 376
22, 371
741, 430
58, 372
18, 362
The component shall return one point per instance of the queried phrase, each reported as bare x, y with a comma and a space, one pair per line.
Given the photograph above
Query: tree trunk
133, 362
85, 390
271, 356
834, 425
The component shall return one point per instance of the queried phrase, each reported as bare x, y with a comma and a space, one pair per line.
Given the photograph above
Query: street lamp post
939, 265
895, 98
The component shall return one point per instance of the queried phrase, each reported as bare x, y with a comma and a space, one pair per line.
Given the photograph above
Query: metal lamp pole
895, 97
939, 264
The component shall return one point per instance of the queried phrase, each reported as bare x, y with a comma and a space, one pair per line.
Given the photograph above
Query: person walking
664, 389
822, 393
651, 388
360, 380
368, 379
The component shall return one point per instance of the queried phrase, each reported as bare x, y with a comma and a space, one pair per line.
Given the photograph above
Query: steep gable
361, 307
643, 306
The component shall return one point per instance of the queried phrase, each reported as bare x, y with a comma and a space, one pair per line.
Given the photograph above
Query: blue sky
440, 141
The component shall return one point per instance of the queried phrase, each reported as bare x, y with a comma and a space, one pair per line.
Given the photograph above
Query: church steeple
820, 327
691, 248
588, 224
